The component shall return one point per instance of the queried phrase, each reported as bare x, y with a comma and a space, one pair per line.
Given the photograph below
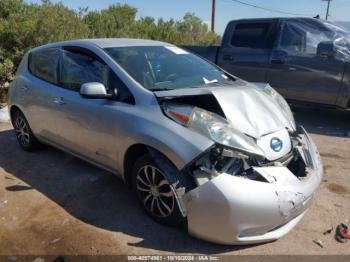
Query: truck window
253, 35
303, 37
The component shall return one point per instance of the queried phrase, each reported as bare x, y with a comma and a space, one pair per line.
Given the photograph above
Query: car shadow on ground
94, 196
323, 121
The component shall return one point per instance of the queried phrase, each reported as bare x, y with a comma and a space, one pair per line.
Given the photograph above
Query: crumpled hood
251, 111
247, 108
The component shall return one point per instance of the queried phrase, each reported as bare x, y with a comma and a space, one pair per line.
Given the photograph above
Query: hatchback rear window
43, 64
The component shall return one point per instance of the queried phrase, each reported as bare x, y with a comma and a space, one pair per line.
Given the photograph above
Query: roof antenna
317, 16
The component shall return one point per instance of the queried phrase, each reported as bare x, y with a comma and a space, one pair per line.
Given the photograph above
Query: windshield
166, 67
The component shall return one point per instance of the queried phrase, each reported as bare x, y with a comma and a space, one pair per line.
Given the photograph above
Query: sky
226, 10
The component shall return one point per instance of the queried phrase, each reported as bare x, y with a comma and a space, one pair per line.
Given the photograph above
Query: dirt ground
53, 203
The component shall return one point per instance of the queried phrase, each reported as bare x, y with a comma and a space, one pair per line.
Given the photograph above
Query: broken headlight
212, 126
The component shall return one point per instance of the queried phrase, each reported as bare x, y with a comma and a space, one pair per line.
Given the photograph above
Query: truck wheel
154, 192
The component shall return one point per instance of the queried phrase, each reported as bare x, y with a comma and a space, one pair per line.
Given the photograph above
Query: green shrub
6, 76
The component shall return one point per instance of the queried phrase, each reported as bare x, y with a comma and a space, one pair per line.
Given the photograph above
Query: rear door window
44, 64
253, 35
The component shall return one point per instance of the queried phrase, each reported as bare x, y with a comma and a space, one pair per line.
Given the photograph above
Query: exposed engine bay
224, 160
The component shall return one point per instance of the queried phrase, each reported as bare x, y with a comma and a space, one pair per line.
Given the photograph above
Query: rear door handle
227, 57
24, 88
59, 101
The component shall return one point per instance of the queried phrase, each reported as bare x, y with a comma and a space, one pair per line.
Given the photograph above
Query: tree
24, 26
30, 25
195, 31
115, 21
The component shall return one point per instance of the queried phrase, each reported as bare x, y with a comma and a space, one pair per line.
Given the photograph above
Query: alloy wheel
154, 191
22, 130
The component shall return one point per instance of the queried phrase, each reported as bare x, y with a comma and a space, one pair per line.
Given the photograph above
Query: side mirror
94, 90
326, 49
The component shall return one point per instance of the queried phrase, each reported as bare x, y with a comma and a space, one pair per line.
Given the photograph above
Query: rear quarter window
43, 64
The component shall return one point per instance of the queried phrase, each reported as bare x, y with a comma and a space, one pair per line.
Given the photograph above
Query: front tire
24, 134
154, 192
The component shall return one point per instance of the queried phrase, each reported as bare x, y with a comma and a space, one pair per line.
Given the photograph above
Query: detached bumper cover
234, 210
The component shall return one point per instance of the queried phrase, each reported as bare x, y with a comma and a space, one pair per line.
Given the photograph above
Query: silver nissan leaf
196, 144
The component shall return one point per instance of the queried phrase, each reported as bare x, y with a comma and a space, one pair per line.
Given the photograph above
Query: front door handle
278, 60
59, 101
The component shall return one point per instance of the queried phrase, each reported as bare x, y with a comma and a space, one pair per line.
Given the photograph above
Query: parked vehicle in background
182, 132
305, 59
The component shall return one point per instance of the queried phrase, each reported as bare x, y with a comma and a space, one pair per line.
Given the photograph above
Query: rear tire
24, 134
154, 192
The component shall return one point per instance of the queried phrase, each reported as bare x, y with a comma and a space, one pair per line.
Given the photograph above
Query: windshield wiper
160, 89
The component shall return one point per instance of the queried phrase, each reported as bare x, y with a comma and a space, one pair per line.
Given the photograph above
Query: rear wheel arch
24, 134
13, 110
16, 109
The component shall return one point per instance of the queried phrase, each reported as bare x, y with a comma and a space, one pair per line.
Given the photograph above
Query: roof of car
109, 42
119, 42
275, 18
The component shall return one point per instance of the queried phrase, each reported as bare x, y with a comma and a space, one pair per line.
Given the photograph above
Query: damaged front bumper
231, 209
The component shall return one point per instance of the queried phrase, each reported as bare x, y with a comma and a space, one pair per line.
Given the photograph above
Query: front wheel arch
133, 153
155, 193
136, 151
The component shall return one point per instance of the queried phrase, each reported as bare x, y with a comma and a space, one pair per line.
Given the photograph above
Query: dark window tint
79, 68
252, 35
43, 64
